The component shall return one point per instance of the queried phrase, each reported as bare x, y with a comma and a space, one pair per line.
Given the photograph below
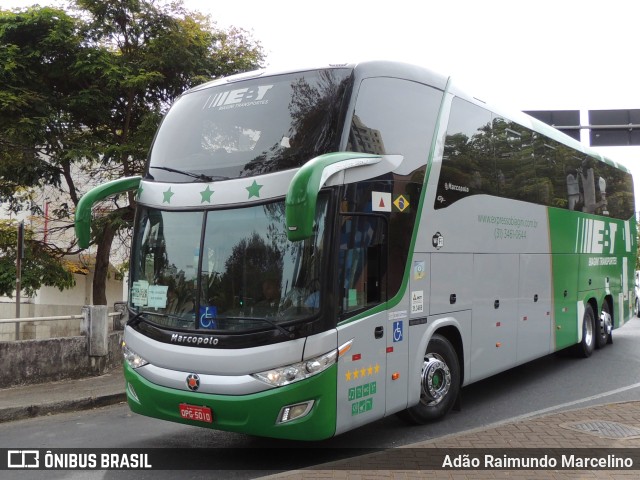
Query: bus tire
439, 383
605, 324
585, 348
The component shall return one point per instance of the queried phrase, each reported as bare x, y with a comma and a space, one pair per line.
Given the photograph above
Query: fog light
293, 412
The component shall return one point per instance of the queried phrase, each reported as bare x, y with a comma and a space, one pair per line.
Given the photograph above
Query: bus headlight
132, 358
297, 371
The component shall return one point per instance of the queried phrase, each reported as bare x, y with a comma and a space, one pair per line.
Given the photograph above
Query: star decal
206, 195
254, 189
362, 372
166, 196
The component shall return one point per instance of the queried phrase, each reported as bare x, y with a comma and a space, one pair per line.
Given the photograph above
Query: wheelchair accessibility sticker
397, 331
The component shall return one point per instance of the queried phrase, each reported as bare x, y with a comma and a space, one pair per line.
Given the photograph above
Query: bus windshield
251, 127
241, 275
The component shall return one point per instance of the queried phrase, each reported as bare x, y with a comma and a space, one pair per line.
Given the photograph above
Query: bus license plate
195, 413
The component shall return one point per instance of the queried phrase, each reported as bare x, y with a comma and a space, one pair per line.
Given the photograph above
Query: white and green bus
317, 249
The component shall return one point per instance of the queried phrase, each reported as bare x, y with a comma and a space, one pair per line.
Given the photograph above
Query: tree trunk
101, 271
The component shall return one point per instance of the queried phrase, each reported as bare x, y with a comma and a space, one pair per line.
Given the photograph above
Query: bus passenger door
362, 264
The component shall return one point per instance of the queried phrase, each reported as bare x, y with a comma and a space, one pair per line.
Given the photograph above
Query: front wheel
439, 382
586, 345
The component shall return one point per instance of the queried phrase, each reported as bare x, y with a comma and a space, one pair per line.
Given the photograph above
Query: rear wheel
439, 382
605, 326
586, 345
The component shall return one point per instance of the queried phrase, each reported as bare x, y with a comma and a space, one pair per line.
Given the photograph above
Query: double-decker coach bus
314, 250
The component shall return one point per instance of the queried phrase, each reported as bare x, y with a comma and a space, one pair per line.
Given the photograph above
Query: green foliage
40, 266
37, 46
83, 91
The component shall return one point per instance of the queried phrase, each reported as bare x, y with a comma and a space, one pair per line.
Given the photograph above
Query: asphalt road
549, 384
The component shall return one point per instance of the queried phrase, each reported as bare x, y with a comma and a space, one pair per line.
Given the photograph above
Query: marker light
344, 348
297, 371
133, 359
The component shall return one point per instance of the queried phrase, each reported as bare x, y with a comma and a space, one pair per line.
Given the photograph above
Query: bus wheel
440, 382
585, 347
605, 325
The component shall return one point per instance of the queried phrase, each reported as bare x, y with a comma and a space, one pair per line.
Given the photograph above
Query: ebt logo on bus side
598, 236
241, 97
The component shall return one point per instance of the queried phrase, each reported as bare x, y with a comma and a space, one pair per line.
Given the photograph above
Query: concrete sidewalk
595, 429
599, 430
21, 402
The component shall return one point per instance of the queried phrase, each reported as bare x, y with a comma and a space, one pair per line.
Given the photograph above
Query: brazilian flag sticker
401, 204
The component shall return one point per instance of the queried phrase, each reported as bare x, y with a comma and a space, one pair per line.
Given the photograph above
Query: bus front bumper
254, 414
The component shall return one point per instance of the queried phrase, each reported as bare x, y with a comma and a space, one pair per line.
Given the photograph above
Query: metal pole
19, 257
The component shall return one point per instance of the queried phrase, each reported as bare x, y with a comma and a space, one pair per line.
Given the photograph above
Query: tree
39, 266
37, 49
82, 93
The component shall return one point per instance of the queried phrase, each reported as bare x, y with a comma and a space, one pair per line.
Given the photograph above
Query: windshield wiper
273, 324
136, 317
279, 327
199, 176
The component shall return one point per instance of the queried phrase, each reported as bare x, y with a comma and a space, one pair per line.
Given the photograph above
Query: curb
30, 411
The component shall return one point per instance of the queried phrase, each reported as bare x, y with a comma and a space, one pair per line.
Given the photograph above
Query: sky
524, 55
542, 54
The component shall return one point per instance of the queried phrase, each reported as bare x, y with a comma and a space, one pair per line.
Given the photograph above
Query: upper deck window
487, 154
251, 127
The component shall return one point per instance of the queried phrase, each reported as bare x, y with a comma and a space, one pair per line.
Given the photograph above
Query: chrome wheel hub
436, 379
606, 322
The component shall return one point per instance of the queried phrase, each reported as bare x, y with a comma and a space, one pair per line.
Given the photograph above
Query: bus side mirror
83, 210
300, 202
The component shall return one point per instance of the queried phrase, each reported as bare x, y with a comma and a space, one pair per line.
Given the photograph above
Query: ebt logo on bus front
241, 97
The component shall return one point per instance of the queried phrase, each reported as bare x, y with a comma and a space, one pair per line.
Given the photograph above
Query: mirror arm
83, 210
300, 202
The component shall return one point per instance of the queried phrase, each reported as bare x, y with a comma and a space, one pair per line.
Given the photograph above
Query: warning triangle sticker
381, 201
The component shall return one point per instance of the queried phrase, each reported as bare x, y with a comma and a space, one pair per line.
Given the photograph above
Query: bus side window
362, 262
468, 163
